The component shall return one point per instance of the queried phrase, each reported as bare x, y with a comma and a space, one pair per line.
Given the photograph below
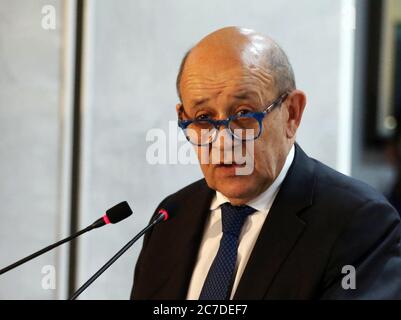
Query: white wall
32, 117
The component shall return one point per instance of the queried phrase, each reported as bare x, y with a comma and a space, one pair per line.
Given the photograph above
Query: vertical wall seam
76, 146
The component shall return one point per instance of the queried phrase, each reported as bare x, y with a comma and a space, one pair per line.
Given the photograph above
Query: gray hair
281, 69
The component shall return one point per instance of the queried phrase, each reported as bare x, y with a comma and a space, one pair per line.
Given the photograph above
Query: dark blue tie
220, 277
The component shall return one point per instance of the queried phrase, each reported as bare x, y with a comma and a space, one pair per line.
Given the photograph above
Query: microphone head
167, 211
119, 212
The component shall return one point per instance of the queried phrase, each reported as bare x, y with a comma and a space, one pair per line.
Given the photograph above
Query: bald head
233, 45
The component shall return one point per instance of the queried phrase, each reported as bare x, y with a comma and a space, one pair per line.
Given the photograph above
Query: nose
224, 140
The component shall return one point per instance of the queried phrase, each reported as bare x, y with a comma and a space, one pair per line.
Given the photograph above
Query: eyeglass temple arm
276, 103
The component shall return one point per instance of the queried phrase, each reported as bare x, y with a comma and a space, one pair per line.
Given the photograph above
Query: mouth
228, 170
230, 165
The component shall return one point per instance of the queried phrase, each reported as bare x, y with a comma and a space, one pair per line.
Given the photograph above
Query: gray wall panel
29, 144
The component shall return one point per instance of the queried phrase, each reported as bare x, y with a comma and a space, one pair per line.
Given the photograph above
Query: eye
203, 116
242, 112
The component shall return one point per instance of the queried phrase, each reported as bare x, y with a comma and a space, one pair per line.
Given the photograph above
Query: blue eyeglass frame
259, 116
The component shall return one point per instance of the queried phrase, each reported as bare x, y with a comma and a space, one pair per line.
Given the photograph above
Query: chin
239, 187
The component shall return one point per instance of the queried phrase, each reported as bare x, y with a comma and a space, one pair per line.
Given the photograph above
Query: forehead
202, 80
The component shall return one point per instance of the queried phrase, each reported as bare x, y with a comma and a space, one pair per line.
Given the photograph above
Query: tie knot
233, 218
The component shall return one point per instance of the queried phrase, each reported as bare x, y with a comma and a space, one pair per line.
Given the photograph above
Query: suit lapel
281, 229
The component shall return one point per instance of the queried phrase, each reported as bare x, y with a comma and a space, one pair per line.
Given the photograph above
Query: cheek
203, 158
268, 145
274, 131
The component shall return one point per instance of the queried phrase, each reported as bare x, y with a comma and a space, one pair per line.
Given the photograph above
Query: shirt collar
263, 201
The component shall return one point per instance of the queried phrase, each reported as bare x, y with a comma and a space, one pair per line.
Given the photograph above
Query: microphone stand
44, 250
159, 219
97, 224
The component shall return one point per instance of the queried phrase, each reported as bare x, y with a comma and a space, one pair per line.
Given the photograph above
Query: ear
296, 102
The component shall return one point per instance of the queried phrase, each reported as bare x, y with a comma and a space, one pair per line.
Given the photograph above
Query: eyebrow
242, 96
197, 103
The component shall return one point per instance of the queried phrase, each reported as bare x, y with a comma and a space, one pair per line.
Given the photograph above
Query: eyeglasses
243, 127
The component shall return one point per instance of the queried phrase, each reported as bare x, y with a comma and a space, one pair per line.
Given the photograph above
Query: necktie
220, 277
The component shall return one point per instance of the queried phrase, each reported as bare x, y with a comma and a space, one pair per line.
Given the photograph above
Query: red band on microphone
106, 219
164, 213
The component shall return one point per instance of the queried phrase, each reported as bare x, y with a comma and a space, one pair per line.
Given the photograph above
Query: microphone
163, 215
113, 215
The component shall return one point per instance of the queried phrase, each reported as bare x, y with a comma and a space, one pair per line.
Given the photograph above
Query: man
292, 228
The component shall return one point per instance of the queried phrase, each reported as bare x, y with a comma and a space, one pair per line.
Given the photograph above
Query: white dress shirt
249, 233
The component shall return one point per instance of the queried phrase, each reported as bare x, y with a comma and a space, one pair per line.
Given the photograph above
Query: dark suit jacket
319, 222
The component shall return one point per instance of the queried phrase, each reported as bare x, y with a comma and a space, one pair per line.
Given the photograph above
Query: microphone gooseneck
162, 216
113, 215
